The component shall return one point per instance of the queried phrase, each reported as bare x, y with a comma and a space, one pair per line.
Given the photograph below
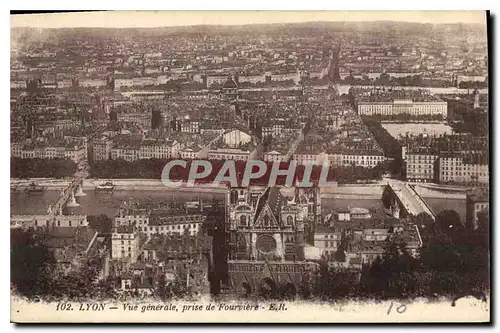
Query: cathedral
268, 230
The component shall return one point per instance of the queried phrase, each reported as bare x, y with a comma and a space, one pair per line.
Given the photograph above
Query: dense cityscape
398, 112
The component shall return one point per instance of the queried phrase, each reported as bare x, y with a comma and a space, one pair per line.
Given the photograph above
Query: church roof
230, 84
272, 197
275, 201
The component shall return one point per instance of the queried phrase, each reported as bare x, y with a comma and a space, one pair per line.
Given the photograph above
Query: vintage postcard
252, 167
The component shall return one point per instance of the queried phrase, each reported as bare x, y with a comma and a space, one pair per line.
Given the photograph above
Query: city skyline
157, 19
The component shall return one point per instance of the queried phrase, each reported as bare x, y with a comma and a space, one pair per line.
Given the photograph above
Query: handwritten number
400, 309
390, 308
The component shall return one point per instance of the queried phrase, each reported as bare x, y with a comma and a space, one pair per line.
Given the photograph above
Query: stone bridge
407, 199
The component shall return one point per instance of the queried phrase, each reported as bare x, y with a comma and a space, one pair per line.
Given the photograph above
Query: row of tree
386, 80
40, 167
404, 117
121, 169
467, 119
152, 169
473, 85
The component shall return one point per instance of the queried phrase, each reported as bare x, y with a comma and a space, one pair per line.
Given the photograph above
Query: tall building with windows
457, 168
101, 148
421, 167
125, 244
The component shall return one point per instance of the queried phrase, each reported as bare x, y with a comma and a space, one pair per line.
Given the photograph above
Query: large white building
333, 159
362, 159
144, 149
160, 221
75, 152
397, 107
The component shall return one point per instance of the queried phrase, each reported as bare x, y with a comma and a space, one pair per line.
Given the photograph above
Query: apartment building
131, 150
101, 149
161, 220
463, 169
327, 239
421, 167
73, 151
362, 159
125, 244
158, 149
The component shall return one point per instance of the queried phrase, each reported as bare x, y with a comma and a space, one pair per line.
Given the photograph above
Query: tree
340, 254
286, 291
342, 283
322, 282
80, 284
448, 221
426, 225
161, 288
102, 223
459, 263
39, 167
31, 263
304, 290
483, 226
392, 275
179, 288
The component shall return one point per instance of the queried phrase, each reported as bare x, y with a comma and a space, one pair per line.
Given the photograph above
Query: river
96, 203
93, 203
438, 205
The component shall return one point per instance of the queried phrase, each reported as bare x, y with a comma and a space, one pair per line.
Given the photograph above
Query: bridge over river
408, 200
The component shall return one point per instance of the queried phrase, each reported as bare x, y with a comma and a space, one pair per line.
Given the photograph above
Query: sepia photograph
250, 166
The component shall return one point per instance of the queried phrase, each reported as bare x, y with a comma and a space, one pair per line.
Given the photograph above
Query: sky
147, 19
